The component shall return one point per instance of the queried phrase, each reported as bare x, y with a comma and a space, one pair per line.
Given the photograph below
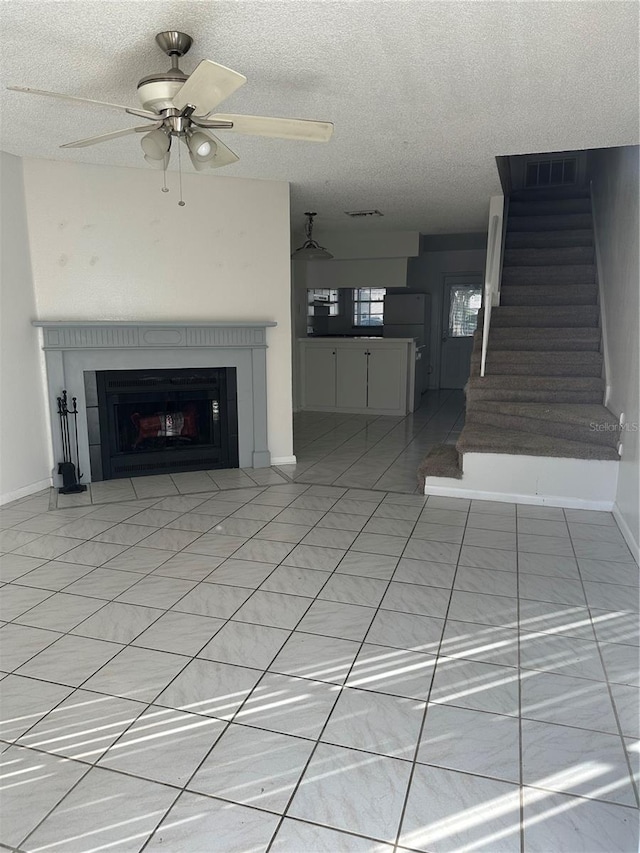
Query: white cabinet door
351, 387
387, 380
319, 377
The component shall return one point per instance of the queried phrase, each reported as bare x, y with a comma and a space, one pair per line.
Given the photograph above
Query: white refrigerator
408, 315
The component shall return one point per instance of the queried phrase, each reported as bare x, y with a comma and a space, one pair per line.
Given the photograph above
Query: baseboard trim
634, 547
25, 491
283, 460
513, 497
535, 480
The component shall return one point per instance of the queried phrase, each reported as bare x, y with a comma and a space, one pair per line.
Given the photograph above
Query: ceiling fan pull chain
181, 202
165, 188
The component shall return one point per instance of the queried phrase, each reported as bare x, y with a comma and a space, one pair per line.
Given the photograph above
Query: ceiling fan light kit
201, 146
156, 144
310, 249
181, 106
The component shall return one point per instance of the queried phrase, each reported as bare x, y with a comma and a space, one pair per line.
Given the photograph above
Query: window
368, 306
464, 304
321, 303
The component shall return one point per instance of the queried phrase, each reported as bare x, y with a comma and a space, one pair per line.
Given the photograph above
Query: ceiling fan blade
281, 128
28, 91
207, 86
93, 140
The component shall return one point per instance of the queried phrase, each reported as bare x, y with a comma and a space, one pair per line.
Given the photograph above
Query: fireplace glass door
167, 421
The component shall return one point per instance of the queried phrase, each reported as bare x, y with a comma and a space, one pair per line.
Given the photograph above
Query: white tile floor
371, 452
315, 669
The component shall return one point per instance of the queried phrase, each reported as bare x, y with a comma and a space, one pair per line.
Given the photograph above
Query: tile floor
353, 451
368, 452
314, 669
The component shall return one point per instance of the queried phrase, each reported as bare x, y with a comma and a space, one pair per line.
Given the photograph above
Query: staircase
543, 389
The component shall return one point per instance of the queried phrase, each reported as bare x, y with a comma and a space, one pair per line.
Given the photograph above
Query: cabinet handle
333, 353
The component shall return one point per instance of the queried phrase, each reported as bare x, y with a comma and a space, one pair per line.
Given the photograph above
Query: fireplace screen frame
173, 387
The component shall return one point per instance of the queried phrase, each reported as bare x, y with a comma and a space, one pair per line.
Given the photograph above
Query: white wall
25, 466
107, 244
615, 187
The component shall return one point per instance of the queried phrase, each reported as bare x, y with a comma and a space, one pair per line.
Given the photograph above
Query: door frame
450, 280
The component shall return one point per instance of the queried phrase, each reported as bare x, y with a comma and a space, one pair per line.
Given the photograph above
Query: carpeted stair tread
531, 395
441, 461
541, 339
544, 316
543, 389
548, 239
549, 207
567, 274
546, 383
534, 389
557, 222
593, 424
545, 257
481, 439
549, 383
536, 363
581, 414
549, 294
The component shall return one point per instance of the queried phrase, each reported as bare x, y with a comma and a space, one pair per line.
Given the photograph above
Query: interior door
461, 303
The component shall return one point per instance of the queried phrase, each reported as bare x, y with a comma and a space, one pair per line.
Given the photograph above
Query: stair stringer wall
545, 481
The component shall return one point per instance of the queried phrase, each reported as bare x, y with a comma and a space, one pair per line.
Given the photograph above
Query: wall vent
552, 172
356, 214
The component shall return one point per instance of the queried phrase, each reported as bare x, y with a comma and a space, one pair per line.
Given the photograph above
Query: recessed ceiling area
424, 95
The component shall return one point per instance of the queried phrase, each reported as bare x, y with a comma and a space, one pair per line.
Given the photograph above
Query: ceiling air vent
360, 214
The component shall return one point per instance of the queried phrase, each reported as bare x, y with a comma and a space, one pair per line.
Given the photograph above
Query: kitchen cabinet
357, 375
384, 390
319, 377
351, 377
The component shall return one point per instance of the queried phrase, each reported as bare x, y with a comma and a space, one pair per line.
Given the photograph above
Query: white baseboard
514, 497
634, 547
283, 460
25, 491
541, 481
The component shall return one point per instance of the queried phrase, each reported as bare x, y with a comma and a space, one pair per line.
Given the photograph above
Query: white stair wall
548, 481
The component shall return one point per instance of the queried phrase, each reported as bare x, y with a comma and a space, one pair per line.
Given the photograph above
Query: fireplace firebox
167, 421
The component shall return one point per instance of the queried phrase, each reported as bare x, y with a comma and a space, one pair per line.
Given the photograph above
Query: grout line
520, 747
265, 672
426, 707
634, 785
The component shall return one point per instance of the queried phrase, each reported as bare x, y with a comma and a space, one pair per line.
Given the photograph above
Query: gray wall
614, 176
443, 255
24, 457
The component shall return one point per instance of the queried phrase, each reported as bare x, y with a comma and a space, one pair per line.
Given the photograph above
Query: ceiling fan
180, 106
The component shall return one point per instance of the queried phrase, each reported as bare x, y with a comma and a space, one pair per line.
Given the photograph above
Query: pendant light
310, 250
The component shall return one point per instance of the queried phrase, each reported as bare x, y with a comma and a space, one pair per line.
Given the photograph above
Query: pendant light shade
201, 147
155, 144
310, 249
158, 164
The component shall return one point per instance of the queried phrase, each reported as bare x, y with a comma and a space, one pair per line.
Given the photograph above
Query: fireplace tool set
71, 474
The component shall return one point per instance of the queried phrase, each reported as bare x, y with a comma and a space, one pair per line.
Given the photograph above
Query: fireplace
75, 352
167, 421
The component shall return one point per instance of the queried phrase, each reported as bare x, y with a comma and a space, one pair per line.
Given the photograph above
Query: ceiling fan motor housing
157, 91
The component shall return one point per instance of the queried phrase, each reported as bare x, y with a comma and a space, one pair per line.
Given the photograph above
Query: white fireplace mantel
73, 347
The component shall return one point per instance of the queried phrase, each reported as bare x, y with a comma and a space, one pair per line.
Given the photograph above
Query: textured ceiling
423, 94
